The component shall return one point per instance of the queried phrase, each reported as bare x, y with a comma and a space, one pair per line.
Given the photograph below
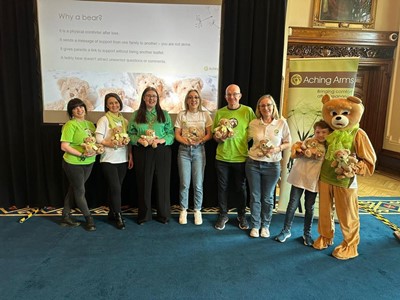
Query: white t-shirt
305, 174
110, 155
199, 120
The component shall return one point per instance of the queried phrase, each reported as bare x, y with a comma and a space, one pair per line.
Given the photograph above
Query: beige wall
299, 14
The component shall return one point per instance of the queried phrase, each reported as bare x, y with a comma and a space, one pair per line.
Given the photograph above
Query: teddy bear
224, 129
344, 164
343, 115
193, 134
263, 148
313, 148
90, 147
309, 148
73, 87
119, 138
148, 138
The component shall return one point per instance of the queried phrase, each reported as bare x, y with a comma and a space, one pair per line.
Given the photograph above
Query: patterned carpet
379, 205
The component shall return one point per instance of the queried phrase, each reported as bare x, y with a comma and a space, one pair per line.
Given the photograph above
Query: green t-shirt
235, 148
74, 132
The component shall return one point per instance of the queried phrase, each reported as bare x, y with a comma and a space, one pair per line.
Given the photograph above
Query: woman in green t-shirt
77, 163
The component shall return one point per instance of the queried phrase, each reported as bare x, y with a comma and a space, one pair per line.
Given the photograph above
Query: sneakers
183, 217
222, 219
254, 232
283, 236
265, 232
308, 241
243, 222
198, 220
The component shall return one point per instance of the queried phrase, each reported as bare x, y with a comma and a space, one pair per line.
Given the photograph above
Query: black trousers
153, 164
77, 176
114, 174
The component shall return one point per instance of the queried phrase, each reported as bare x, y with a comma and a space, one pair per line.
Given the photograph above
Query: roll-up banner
309, 80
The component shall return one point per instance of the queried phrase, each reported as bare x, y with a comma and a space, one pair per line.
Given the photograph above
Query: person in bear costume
343, 116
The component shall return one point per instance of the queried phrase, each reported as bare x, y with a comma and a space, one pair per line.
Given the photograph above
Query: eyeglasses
265, 105
150, 96
193, 97
233, 95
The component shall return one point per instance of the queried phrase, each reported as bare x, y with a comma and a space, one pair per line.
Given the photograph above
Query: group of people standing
236, 163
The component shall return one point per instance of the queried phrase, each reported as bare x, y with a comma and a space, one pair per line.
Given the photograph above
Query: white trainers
254, 232
183, 217
198, 220
265, 232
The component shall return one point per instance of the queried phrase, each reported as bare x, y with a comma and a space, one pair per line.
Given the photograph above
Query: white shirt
277, 132
110, 155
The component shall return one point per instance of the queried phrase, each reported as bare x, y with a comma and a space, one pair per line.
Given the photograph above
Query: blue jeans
262, 178
309, 201
191, 165
237, 187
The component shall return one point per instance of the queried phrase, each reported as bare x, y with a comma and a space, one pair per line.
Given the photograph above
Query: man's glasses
233, 95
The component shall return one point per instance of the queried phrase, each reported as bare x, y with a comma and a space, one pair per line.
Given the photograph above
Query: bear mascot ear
354, 99
326, 98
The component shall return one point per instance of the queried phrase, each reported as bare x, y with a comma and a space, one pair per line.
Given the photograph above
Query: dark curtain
31, 174
252, 48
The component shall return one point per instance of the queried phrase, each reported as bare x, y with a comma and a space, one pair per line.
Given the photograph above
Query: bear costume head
342, 113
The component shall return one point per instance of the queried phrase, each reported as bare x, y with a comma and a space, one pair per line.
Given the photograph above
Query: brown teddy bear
344, 164
343, 116
148, 138
224, 129
119, 138
310, 148
193, 134
313, 148
264, 147
90, 146
73, 87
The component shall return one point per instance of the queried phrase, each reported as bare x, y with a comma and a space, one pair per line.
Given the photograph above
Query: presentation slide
91, 48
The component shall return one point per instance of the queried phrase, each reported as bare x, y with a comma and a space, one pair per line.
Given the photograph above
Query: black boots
89, 226
68, 221
117, 218
119, 222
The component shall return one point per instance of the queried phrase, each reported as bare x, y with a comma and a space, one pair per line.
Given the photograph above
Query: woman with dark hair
117, 157
76, 163
151, 132
192, 130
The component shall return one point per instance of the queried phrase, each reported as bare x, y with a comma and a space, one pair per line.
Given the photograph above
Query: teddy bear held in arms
309, 148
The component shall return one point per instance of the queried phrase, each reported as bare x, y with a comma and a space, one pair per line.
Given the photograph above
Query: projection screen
91, 48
